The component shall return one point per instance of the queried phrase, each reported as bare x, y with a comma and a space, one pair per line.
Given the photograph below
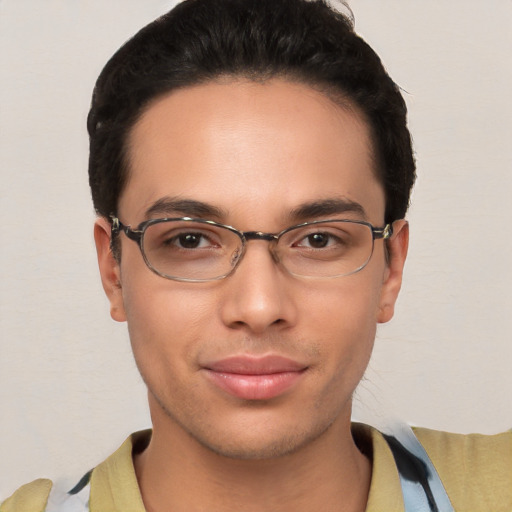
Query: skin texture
256, 151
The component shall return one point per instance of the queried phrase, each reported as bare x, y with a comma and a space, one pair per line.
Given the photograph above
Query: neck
177, 473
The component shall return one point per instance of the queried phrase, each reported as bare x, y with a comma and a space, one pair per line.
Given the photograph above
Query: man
251, 169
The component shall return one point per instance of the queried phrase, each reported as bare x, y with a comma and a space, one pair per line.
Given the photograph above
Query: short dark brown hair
200, 40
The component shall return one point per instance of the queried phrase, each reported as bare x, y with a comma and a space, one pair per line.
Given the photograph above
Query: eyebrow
172, 206
326, 207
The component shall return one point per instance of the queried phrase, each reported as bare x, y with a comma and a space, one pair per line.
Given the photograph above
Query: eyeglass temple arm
385, 232
117, 226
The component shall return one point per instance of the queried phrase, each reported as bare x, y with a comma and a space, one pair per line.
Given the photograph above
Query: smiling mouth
255, 378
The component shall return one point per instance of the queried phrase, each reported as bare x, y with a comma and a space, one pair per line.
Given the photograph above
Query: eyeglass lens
189, 250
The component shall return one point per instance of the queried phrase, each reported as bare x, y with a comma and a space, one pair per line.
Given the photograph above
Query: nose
258, 295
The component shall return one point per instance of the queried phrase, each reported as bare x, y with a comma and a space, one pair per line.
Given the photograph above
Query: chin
258, 450
260, 444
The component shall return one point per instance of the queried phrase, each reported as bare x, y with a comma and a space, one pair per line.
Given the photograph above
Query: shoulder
31, 497
114, 483
475, 469
468, 453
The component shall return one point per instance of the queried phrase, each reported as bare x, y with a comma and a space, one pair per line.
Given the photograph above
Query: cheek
165, 319
169, 324
345, 324
349, 304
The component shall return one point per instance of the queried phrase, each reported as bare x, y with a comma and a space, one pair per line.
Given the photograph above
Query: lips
255, 378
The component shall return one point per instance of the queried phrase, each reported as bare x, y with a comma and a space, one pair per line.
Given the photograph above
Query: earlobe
109, 269
397, 249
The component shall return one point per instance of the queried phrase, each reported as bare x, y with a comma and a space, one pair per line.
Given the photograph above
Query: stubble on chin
270, 444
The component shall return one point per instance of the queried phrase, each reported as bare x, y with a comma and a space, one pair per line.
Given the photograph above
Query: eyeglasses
198, 250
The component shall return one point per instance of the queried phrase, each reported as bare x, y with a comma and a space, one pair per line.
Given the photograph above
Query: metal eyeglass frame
137, 235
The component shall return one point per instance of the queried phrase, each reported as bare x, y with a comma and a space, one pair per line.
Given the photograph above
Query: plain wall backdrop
69, 389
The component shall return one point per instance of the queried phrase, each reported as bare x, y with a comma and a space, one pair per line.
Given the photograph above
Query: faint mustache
286, 345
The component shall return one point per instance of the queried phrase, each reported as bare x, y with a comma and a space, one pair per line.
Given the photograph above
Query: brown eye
318, 240
189, 240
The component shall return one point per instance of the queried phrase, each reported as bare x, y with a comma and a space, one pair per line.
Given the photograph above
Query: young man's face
256, 153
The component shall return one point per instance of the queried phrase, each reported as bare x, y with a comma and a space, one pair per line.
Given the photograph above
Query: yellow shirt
476, 471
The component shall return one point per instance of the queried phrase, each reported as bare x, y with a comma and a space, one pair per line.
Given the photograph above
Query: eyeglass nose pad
272, 247
236, 256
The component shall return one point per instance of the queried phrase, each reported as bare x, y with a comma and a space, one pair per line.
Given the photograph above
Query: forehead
249, 148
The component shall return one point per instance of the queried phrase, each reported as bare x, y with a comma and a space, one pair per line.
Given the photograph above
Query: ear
109, 269
397, 252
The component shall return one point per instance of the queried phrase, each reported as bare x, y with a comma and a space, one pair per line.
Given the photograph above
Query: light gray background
69, 390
